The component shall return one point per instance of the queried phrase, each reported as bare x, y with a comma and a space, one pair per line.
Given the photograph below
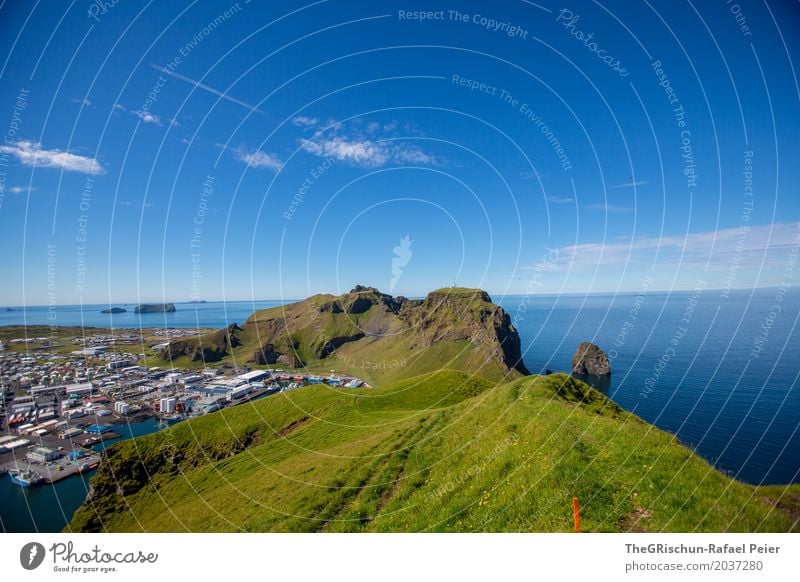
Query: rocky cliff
360, 331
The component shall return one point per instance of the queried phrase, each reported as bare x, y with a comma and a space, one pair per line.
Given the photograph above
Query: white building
240, 391
42, 455
122, 408
167, 405
79, 389
253, 376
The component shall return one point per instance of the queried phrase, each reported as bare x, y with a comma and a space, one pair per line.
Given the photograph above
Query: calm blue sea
211, 314
687, 362
689, 365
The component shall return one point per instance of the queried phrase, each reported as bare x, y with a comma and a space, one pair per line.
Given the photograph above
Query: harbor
64, 400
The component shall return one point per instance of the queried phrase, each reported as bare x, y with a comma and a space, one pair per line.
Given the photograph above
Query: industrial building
254, 376
42, 455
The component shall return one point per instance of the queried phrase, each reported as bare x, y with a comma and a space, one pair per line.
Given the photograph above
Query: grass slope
440, 452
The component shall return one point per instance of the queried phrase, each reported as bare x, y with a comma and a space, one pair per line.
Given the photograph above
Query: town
62, 401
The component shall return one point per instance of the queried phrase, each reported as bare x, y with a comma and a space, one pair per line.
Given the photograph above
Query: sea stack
589, 359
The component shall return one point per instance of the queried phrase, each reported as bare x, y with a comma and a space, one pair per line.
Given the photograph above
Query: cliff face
360, 331
209, 347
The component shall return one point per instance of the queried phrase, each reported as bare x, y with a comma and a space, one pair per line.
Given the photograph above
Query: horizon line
556, 294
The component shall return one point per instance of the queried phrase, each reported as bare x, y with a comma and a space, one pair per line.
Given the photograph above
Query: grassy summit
368, 334
445, 451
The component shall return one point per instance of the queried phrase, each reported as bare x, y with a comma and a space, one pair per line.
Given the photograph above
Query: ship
25, 478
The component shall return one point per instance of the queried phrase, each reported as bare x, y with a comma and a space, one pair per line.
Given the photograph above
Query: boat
25, 478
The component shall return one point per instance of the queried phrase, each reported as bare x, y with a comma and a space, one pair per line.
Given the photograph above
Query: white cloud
370, 145
20, 189
560, 199
204, 87
303, 121
359, 152
258, 159
84, 102
31, 154
365, 152
411, 155
631, 184
717, 250
147, 117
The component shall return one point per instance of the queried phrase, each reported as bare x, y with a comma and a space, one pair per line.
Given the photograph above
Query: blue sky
242, 150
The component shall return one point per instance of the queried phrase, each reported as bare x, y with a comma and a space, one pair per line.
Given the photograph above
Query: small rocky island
115, 310
155, 308
590, 360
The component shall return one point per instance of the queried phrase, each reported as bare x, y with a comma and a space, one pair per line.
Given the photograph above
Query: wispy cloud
366, 152
84, 102
303, 121
716, 249
363, 152
30, 153
412, 155
631, 184
208, 89
258, 159
20, 189
560, 199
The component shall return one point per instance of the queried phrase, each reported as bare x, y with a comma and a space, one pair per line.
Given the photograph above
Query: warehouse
70, 433
253, 376
42, 455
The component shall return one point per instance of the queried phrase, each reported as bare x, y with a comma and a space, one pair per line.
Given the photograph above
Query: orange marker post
576, 514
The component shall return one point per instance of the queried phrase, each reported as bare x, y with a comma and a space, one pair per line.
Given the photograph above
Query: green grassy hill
444, 451
367, 334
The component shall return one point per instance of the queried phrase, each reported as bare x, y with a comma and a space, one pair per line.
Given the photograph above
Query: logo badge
31, 555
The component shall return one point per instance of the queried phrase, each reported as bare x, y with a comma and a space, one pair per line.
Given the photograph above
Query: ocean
210, 314
719, 371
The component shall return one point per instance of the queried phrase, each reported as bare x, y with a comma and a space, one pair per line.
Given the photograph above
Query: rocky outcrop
335, 343
331, 307
451, 328
115, 310
589, 359
210, 347
155, 308
269, 355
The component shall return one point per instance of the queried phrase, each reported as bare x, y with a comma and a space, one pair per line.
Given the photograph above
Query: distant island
197, 301
115, 310
155, 308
